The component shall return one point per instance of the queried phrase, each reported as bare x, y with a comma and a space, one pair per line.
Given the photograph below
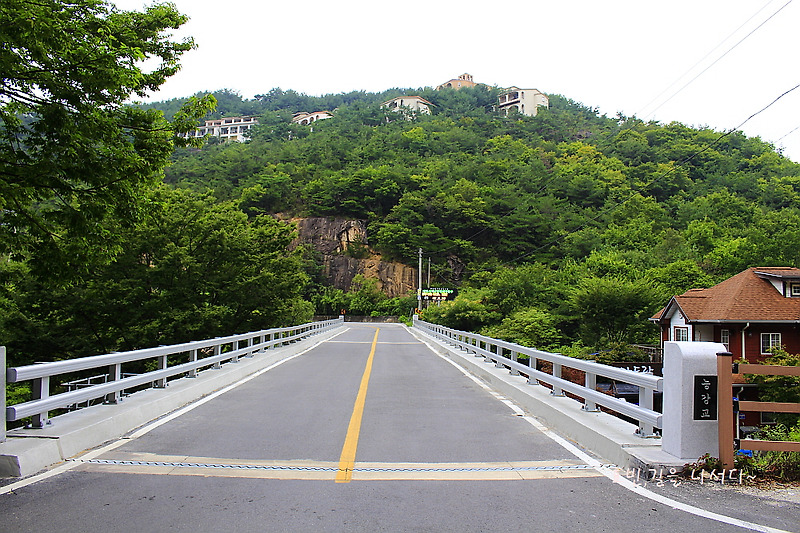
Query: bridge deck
369, 431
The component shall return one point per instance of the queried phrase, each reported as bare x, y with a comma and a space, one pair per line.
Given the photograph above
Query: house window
796, 290
770, 341
725, 338
681, 334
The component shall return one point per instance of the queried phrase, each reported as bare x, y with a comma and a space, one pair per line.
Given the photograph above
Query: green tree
72, 154
193, 268
614, 310
530, 327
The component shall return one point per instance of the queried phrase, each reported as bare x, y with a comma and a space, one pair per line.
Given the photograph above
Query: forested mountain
563, 231
538, 220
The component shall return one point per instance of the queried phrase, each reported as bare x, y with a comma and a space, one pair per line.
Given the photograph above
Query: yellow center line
348, 458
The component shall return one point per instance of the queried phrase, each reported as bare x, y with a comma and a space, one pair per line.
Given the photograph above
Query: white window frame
794, 290
682, 329
768, 341
725, 338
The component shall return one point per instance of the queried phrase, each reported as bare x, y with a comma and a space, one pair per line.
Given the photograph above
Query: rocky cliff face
338, 240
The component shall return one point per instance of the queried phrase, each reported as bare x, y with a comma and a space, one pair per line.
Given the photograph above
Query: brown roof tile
743, 297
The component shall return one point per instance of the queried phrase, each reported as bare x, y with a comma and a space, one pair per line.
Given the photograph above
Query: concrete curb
27, 451
604, 435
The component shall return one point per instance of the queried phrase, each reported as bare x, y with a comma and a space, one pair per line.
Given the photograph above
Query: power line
715, 61
679, 78
787, 134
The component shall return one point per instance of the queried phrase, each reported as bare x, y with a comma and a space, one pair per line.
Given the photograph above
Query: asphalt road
369, 431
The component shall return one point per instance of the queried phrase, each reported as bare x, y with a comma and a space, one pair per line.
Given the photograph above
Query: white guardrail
506, 354
201, 354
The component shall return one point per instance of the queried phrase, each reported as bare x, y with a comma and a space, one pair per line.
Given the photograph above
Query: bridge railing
506, 354
201, 354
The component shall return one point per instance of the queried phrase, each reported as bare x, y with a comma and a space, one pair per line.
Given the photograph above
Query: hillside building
465, 80
227, 129
306, 119
524, 101
414, 104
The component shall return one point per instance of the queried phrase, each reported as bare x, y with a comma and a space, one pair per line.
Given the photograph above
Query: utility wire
716, 60
787, 134
679, 78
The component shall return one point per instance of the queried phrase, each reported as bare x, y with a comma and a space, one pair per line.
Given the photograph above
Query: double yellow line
348, 458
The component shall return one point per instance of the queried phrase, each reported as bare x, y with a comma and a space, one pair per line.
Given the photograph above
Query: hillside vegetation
564, 231
565, 228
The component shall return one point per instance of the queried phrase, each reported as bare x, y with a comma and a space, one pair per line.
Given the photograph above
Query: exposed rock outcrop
337, 240
331, 235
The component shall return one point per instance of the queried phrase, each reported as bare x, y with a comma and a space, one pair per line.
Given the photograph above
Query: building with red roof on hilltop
750, 313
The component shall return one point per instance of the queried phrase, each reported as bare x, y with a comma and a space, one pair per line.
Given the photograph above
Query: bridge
353, 427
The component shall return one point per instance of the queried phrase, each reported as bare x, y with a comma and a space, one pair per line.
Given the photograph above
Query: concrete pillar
683, 436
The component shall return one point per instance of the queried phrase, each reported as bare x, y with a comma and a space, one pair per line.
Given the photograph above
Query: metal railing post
499, 351
725, 408
3, 392
646, 401
235, 348
162, 364
192, 358
590, 382
532, 364
250, 352
515, 358
40, 391
557, 374
114, 374
217, 351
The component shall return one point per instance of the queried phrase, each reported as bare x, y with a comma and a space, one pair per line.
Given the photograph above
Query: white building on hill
524, 101
227, 129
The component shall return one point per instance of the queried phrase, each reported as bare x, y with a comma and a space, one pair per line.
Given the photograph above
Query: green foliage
565, 230
784, 466
529, 327
193, 268
780, 388
17, 393
614, 310
619, 352
762, 465
363, 299
468, 312
72, 155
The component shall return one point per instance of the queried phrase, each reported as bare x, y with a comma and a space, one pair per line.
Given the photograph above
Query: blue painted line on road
546, 468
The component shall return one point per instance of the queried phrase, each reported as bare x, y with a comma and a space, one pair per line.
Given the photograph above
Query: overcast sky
626, 56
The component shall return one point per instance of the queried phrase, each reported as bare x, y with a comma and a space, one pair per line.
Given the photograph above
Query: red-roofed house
750, 313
